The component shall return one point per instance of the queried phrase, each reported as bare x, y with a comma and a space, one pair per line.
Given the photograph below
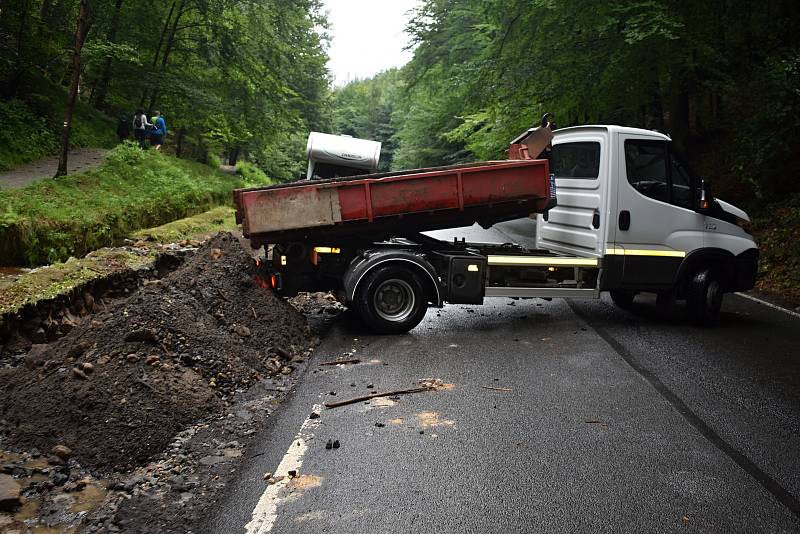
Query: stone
336, 444
9, 493
267, 476
152, 360
88, 300
77, 373
78, 349
144, 335
132, 358
286, 370
241, 330
36, 356
314, 415
62, 451
87, 367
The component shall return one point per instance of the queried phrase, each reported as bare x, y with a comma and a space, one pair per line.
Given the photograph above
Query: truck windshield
577, 160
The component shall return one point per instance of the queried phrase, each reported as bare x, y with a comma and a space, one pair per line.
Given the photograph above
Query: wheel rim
394, 300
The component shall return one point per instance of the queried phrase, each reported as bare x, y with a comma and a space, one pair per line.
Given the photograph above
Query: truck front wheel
703, 298
391, 300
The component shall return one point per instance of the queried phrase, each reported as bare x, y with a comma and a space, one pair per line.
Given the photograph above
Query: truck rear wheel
703, 298
391, 300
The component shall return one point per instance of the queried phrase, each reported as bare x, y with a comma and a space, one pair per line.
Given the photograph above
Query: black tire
391, 299
703, 298
622, 298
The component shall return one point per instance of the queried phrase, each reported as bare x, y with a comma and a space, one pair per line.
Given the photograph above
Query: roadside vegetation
52, 220
62, 278
777, 231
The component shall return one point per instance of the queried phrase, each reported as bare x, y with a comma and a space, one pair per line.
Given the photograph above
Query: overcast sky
367, 37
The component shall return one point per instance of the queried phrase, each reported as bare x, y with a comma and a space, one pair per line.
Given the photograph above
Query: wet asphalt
605, 420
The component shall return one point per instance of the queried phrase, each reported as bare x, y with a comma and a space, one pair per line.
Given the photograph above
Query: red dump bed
394, 204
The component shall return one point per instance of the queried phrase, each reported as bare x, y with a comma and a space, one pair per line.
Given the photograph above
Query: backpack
137, 122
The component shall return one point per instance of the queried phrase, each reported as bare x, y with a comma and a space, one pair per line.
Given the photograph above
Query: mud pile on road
118, 389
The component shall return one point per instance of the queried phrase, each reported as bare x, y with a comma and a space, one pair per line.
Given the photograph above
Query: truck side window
681, 184
646, 166
577, 160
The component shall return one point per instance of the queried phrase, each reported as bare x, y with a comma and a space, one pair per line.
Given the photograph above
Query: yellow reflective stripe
529, 260
327, 250
645, 252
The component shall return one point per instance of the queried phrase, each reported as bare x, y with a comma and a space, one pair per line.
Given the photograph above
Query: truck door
577, 224
656, 223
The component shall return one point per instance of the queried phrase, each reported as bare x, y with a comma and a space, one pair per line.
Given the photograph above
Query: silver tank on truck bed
330, 155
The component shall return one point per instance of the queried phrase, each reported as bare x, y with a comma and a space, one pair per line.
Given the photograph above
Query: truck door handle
596, 220
624, 220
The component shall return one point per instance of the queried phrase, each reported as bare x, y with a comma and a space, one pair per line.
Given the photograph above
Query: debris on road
375, 395
493, 388
342, 362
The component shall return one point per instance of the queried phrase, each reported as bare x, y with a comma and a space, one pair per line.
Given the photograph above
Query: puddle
88, 498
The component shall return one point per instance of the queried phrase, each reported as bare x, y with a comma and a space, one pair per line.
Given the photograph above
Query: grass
777, 232
221, 219
61, 278
55, 219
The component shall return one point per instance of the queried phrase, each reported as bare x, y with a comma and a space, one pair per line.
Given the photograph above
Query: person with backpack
123, 129
159, 132
140, 126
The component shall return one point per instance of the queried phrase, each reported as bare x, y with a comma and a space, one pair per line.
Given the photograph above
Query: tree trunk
158, 48
80, 38
179, 143
105, 77
167, 50
233, 156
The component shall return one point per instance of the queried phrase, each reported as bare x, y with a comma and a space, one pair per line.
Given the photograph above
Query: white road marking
771, 305
266, 511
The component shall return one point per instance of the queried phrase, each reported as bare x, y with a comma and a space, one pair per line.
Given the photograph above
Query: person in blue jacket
159, 132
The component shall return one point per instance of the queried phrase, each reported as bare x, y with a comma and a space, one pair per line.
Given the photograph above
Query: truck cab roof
613, 128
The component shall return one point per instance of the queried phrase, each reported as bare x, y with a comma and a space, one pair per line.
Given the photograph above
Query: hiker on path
140, 125
160, 131
123, 129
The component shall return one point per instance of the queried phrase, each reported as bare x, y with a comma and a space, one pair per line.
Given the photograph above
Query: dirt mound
117, 390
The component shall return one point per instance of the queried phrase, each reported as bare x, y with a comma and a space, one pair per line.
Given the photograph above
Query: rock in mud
62, 451
9, 493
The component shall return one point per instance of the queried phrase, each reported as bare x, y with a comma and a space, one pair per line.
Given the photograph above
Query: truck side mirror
706, 199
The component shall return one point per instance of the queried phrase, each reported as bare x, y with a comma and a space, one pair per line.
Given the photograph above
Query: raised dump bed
376, 206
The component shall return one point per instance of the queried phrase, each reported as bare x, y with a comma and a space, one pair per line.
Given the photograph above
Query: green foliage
53, 219
214, 161
365, 109
724, 82
777, 230
232, 76
252, 174
31, 128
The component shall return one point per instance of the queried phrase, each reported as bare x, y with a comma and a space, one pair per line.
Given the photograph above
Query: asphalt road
606, 421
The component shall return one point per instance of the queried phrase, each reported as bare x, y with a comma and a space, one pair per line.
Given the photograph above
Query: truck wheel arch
718, 260
369, 261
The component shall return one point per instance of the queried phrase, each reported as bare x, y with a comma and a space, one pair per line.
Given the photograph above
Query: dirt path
79, 159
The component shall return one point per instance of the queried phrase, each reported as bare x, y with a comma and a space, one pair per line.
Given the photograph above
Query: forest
242, 77
247, 79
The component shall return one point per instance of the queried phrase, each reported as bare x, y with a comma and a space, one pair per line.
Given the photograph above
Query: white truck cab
625, 197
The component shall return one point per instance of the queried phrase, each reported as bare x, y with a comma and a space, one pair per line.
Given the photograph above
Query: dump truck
616, 210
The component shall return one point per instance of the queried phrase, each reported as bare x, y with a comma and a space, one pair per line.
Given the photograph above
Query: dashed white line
771, 305
266, 510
